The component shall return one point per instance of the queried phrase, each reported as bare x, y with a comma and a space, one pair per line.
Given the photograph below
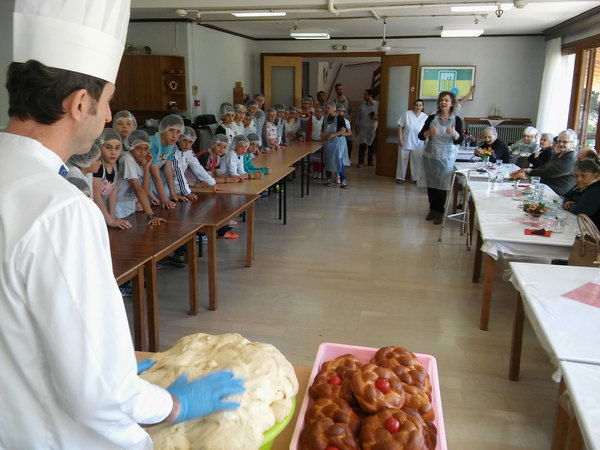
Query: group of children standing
126, 170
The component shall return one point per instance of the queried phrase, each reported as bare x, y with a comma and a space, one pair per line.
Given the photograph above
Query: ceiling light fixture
463, 31
309, 34
499, 11
259, 14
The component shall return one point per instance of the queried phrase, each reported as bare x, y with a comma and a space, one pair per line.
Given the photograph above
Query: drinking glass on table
498, 165
535, 181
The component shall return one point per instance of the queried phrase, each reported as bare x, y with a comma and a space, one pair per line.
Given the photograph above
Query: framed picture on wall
435, 79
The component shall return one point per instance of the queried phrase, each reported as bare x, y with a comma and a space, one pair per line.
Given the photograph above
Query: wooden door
399, 79
281, 79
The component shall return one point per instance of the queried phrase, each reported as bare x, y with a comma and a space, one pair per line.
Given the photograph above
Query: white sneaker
344, 185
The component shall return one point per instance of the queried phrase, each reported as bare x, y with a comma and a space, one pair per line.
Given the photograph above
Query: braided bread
397, 429
377, 388
337, 410
325, 434
405, 365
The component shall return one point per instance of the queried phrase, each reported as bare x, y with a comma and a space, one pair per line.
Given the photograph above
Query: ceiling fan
384, 47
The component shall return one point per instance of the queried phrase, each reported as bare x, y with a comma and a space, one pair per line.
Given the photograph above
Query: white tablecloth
583, 386
567, 329
500, 222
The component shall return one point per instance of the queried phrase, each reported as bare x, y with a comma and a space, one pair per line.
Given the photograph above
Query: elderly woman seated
558, 172
544, 154
584, 198
520, 150
491, 141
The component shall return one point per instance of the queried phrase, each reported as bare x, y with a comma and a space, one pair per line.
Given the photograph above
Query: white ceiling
356, 18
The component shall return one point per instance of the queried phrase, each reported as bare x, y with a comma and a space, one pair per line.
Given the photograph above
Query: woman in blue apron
334, 145
442, 130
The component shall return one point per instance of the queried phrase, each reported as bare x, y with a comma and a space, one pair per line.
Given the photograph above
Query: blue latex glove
205, 395
144, 365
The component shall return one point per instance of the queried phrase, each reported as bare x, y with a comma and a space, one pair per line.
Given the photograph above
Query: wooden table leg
140, 328
561, 426
152, 305
280, 198
478, 258
250, 236
284, 201
471, 220
192, 263
211, 232
575, 438
307, 160
517, 340
301, 179
488, 283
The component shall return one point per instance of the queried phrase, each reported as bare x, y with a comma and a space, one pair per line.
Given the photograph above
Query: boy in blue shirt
163, 153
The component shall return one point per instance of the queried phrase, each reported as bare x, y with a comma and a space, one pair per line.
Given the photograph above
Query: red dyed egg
392, 424
335, 380
383, 385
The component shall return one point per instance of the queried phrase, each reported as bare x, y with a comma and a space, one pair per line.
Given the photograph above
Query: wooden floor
362, 266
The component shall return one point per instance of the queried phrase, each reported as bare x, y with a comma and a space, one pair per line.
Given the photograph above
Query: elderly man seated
520, 150
588, 153
491, 141
557, 173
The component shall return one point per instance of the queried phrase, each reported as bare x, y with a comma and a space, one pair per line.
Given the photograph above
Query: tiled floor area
362, 266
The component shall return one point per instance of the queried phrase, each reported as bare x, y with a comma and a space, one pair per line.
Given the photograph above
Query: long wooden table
280, 162
143, 246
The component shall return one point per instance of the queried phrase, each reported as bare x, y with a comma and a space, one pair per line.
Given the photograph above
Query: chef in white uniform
69, 375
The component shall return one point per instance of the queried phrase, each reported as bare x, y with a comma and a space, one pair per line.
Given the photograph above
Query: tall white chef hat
85, 36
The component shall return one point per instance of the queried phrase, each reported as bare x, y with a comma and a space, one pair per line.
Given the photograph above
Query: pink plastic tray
328, 351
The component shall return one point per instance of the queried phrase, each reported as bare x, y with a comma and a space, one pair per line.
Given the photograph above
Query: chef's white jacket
68, 367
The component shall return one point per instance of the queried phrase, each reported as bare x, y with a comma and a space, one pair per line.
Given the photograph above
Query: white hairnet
239, 138
108, 134
236, 108
530, 131
85, 160
217, 138
331, 104
188, 133
124, 115
135, 138
226, 109
170, 121
253, 137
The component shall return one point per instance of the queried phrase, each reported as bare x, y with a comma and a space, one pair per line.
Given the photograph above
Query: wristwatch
151, 216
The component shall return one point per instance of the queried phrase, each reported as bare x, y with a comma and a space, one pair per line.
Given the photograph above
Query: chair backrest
204, 137
586, 249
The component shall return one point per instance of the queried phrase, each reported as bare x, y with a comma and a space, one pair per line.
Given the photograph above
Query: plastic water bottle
516, 190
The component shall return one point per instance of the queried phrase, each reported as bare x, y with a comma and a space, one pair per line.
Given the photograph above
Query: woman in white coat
409, 145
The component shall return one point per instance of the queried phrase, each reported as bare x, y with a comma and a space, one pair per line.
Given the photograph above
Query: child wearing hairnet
251, 153
280, 123
270, 134
232, 163
124, 123
291, 125
134, 178
163, 152
84, 166
187, 167
105, 179
237, 125
225, 125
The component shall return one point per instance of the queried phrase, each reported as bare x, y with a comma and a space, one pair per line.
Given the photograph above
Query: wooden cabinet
150, 83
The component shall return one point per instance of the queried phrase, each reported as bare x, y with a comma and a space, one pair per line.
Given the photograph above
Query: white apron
439, 155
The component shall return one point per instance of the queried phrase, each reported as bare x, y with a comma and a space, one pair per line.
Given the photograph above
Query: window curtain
555, 93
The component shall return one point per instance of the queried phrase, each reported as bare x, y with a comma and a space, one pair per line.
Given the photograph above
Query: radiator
507, 132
